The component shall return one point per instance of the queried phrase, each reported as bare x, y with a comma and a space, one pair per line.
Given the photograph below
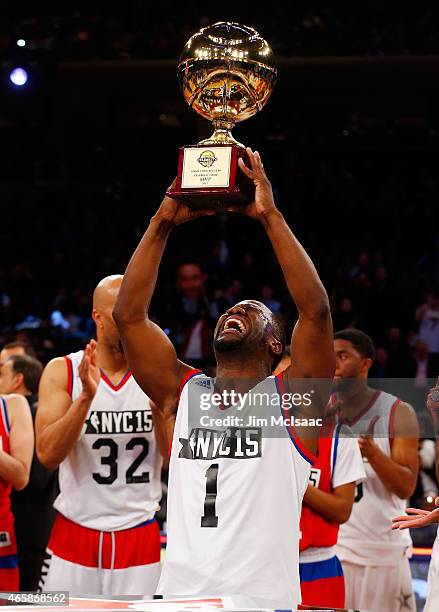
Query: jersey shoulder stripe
303, 452
5, 416
186, 378
334, 450
69, 375
392, 421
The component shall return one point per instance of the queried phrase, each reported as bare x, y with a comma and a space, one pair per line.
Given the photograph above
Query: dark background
350, 139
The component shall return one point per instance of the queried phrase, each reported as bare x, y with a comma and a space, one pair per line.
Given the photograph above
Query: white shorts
378, 588
89, 562
432, 603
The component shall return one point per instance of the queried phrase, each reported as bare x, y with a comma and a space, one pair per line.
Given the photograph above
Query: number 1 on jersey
209, 518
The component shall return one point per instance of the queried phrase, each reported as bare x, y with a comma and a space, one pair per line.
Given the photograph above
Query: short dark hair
31, 369
359, 340
27, 348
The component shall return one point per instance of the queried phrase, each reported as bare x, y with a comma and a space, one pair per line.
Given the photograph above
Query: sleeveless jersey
5, 487
234, 502
316, 530
374, 506
111, 478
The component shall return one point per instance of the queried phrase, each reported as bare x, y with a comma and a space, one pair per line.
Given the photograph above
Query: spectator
343, 316
20, 374
267, 298
191, 314
16, 348
427, 316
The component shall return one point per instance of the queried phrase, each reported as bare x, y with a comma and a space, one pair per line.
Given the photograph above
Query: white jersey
234, 501
369, 526
110, 480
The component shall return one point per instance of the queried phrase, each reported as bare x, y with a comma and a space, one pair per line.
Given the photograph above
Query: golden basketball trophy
227, 74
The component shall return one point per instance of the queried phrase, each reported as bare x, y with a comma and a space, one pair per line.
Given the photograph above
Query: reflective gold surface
227, 74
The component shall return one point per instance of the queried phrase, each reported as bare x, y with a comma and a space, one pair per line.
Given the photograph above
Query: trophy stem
222, 134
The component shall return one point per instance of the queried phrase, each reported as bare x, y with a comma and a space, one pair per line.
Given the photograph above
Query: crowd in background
358, 187
138, 30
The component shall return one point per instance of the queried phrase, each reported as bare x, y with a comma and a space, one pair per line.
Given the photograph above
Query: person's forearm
328, 505
398, 479
56, 441
140, 276
301, 277
13, 471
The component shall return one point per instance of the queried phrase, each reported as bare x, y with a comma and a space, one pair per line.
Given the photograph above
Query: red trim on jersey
294, 438
372, 401
392, 422
69, 375
80, 545
6, 423
186, 377
125, 379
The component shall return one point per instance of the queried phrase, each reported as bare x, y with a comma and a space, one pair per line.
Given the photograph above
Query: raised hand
433, 398
176, 213
89, 372
365, 441
264, 201
416, 518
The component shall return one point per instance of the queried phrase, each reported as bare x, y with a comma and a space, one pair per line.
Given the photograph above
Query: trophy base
209, 177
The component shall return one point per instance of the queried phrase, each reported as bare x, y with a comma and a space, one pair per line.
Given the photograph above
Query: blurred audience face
382, 357
345, 305
8, 352
421, 350
394, 334
363, 259
190, 280
267, 293
20, 374
10, 382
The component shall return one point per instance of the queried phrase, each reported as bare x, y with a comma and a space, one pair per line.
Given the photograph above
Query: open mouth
234, 325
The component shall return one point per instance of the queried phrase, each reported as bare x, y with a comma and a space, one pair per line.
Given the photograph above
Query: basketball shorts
9, 574
377, 588
322, 584
90, 562
432, 603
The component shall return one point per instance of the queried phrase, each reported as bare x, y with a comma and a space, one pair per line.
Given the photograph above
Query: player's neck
354, 401
239, 367
111, 360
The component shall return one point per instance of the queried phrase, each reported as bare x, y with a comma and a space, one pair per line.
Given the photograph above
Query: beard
226, 346
344, 384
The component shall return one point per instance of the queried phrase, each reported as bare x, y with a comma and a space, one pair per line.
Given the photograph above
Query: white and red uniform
338, 462
234, 501
105, 539
432, 603
9, 575
375, 559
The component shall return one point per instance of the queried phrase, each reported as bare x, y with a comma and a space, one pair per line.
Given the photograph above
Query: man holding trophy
234, 503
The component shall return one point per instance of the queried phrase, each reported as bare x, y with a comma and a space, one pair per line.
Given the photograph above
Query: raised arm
399, 472
15, 465
312, 349
312, 346
150, 354
417, 517
59, 420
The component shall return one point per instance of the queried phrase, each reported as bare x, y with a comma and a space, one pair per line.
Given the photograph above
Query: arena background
350, 140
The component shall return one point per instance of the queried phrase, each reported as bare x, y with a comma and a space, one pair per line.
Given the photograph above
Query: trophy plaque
227, 74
